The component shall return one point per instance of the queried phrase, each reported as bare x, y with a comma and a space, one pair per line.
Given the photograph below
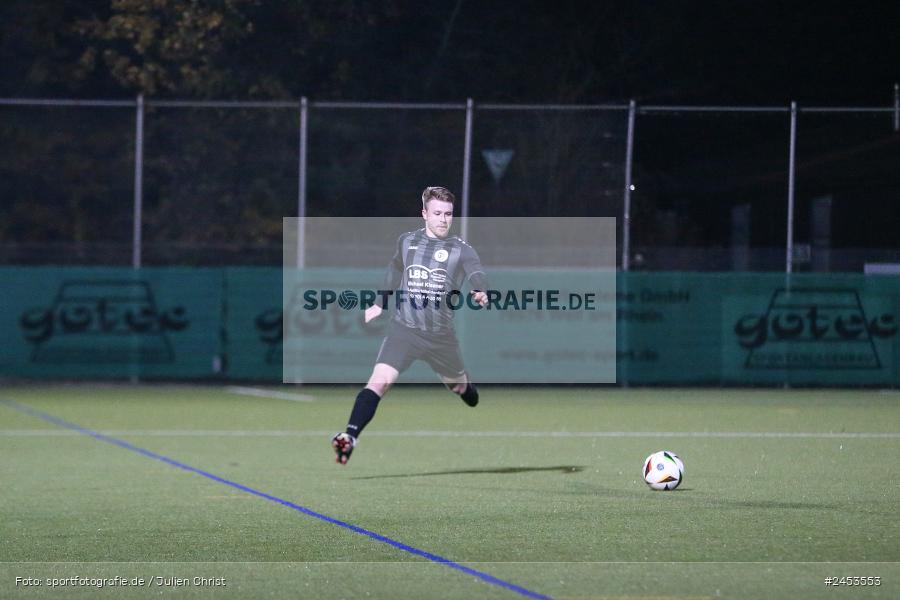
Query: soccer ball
663, 470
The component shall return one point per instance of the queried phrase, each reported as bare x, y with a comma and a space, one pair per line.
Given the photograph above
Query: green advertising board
325, 342
523, 337
670, 328
253, 320
758, 329
100, 323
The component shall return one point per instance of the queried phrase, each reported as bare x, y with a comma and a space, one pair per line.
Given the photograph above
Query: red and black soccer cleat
343, 444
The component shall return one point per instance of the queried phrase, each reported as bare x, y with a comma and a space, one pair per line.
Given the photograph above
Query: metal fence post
301, 184
789, 262
622, 341
897, 107
467, 166
138, 183
626, 205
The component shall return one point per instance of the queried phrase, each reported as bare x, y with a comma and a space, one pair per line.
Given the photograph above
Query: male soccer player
428, 266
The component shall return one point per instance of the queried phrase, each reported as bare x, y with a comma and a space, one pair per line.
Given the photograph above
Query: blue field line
487, 578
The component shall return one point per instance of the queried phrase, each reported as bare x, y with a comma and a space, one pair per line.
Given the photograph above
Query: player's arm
475, 275
392, 279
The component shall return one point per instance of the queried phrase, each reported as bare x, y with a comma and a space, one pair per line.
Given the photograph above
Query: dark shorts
404, 345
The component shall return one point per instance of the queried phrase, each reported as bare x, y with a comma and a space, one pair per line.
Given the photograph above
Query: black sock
470, 395
363, 411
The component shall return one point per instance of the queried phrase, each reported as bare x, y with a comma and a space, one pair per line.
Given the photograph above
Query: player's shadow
485, 471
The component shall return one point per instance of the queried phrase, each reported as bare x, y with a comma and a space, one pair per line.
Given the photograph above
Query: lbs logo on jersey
423, 273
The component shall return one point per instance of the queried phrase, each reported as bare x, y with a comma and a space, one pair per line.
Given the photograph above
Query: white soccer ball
663, 470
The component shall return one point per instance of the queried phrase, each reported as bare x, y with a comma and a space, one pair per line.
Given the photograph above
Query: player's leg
461, 386
446, 360
382, 378
397, 352
457, 385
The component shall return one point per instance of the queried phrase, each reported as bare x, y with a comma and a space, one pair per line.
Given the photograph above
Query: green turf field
539, 488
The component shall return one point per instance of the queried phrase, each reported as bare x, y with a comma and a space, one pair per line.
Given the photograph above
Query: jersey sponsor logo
441, 255
423, 273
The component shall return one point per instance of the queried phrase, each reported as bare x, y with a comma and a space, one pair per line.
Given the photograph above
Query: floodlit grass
540, 488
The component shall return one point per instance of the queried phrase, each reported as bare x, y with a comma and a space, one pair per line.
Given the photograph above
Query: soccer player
428, 266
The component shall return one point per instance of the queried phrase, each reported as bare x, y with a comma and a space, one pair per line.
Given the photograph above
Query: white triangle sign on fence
497, 161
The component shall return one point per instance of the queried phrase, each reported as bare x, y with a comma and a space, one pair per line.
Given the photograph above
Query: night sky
735, 52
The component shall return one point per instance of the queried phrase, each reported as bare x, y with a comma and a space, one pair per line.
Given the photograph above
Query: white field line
262, 393
416, 564
455, 434
481, 562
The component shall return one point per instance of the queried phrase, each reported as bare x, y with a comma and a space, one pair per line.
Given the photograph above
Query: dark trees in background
223, 177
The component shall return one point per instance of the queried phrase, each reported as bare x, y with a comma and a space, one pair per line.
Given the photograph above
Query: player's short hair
436, 193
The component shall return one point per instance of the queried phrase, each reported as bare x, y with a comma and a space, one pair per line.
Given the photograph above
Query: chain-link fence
149, 182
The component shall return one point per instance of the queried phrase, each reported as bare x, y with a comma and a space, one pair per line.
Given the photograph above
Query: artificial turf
537, 487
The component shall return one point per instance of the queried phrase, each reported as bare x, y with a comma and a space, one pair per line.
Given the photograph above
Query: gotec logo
102, 322
311, 312
423, 273
271, 326
813, 328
